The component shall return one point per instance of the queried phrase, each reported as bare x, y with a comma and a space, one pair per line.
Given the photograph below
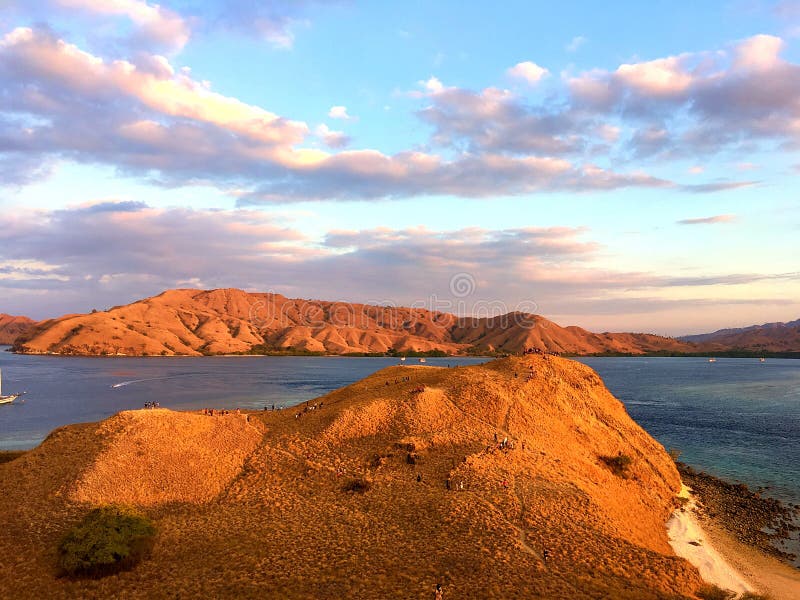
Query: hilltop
387, 487
226, 321
12, 327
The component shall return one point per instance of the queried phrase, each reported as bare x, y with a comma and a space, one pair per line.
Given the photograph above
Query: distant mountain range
769, 337
12, 327
231, 321
226, 321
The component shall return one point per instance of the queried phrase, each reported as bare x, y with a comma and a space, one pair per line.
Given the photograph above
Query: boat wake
132, 381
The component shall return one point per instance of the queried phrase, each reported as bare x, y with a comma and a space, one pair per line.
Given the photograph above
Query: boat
712, 360
422, 360
7, 399
762, 359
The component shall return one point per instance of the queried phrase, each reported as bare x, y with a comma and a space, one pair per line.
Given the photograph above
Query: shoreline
721, 354
753, 519
727, 545
765, 574
689, 540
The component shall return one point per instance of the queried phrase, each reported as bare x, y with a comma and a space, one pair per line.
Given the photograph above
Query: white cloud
339, 112
759, 52
432, 85
662, 77
529, 71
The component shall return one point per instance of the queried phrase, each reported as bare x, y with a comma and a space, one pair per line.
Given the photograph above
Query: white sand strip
690, 542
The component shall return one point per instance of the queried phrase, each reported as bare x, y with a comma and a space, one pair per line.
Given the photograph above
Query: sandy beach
724, 561
764, 574
690, 541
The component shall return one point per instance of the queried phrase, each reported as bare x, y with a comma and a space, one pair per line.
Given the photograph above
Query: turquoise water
736, 418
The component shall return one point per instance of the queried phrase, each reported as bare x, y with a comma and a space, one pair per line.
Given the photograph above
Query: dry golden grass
281, 524
158, 456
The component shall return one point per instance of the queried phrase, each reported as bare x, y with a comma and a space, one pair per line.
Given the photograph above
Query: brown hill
442, 502
192, 322
770, 337
12, 327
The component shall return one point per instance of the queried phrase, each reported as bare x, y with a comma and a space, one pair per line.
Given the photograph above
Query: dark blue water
736, 418
63, 390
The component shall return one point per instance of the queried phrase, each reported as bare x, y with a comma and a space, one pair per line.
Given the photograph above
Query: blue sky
625, 168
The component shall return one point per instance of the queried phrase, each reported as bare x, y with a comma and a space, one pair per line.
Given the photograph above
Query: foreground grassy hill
389, 486
193, 322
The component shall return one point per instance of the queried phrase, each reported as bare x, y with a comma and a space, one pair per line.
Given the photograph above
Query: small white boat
762, 359
7, 399
712, 360
422, 360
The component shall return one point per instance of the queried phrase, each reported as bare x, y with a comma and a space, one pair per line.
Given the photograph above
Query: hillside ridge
229, 321
11, 327
768, 337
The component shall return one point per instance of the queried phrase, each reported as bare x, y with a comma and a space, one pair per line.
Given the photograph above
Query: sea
737, 418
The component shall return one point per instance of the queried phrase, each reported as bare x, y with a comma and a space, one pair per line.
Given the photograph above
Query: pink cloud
49, 264
148, 117
153, 24
708, 220
662, 77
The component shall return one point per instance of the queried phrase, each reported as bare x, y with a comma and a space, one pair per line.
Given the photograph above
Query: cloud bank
150, 119
101, 254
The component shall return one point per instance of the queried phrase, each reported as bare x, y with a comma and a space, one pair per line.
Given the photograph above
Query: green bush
356, 485
618, 464
108, 540
712, 592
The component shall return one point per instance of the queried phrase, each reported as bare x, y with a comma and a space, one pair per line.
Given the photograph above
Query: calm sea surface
737, 418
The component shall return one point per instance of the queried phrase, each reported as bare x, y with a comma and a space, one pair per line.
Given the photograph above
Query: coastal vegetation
619, 464
713, 592
108, 540
357, 484
705, 354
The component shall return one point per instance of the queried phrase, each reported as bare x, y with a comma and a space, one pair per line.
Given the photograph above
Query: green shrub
108, 540
712, 592
356, 485
618, 464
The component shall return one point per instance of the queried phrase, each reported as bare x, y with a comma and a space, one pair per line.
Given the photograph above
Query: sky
623, 167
